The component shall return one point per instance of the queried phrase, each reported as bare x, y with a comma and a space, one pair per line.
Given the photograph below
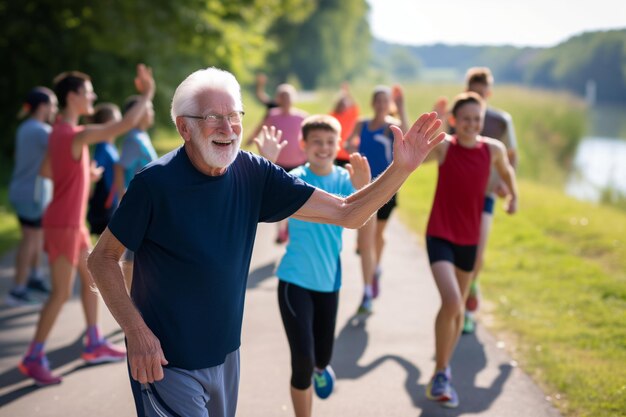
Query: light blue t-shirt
31, 144
137, 152
312, 258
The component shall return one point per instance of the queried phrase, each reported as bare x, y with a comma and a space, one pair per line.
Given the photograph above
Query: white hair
184, 100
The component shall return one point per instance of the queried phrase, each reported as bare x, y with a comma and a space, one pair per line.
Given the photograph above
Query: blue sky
492, 22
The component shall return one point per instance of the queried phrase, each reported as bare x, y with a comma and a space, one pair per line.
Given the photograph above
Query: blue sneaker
324, 382
453, 399
439, 387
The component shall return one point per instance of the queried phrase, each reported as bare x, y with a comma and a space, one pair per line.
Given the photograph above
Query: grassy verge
555, 279
9, 231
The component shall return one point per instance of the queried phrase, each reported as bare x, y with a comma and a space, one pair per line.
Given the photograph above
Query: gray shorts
209, 392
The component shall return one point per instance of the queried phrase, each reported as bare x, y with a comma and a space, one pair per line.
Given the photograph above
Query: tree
325, 47
107, 38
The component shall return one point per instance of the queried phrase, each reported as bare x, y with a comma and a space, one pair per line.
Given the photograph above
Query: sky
542, 23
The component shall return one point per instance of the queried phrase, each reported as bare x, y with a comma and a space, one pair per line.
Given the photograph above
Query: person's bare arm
119, 181
352, 144
409, 152
45, 170
506, 171
145, 356
144, 82
259, 89
398, 98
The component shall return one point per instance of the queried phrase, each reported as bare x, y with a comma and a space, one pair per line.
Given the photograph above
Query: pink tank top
70, 178
292, 155
460, 194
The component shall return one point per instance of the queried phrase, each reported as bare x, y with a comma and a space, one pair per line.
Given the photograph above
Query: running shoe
438, 388
38, 284
39, 370
365, 309
469, 323
471, 304
17, 299
453, 399
104, 352
376, 282
324, 382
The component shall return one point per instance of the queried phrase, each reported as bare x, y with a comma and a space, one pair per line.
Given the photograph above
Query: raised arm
409, 152
145, 355
144, 82
398, 97
352, 144
506, 171
259, 89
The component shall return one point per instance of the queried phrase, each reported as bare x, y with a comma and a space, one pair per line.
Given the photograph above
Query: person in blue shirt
104, 197
191, 218
373, 138
30, 193
137, 149
310, 271
137, 152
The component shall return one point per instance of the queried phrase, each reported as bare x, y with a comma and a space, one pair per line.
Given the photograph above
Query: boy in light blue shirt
310, 271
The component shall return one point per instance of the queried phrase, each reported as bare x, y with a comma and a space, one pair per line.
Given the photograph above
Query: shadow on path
468, 361
58, 358
260, 274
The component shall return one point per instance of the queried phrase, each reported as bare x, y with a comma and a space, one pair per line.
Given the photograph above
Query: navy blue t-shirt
192, 235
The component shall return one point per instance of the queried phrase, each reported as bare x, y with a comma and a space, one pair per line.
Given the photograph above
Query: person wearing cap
29, 194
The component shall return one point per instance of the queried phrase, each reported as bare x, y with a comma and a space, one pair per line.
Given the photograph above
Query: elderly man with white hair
191, 218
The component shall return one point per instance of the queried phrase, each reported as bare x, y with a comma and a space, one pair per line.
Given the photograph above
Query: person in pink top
465, 160
287, 120
66, 238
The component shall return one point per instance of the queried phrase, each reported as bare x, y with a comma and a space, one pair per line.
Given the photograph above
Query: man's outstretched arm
409, 152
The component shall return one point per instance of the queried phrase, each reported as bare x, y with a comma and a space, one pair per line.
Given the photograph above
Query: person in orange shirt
346, 111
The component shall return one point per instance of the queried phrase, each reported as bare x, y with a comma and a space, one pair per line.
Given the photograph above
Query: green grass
555, 285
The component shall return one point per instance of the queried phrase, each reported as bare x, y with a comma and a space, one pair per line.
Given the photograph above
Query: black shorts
384, 212
342, 162
490, 201
461, 256
34, 223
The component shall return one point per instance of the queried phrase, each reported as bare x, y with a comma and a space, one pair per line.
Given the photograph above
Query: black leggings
309, 318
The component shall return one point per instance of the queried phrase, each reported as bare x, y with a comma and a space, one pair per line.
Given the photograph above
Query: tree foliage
107, 38
598, 56
324, 47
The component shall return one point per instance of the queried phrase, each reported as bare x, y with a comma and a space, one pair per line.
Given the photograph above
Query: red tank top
460, 194
68, 207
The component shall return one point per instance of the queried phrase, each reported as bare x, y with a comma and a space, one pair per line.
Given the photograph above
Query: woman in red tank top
465, 160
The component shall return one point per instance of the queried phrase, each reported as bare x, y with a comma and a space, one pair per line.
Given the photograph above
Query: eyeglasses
214, 119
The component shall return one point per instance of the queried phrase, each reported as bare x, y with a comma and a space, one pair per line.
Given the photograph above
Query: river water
599, 164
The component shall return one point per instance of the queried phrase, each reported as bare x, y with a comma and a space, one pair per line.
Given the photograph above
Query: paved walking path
382, 365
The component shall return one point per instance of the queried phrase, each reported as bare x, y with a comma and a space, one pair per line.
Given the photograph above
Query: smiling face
83, 99
321, 147
381, 103
214, 147
468, 120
